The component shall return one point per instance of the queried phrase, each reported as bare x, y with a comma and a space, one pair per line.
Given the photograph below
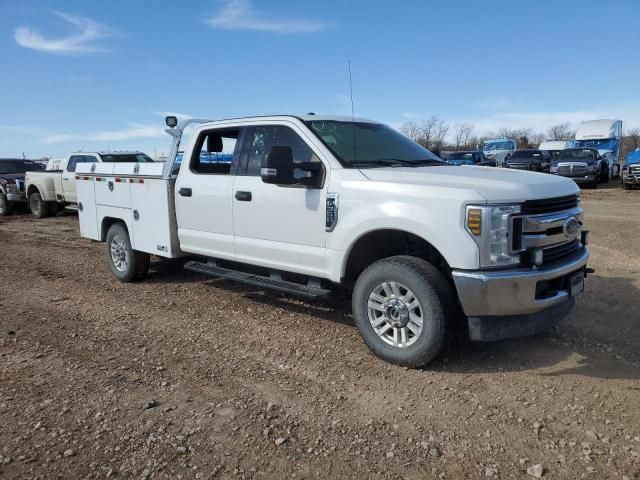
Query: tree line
437, 135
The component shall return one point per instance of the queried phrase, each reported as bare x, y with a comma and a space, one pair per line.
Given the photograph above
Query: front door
280, 227
203, 190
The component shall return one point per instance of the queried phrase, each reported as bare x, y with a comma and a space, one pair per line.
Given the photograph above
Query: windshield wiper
396, 162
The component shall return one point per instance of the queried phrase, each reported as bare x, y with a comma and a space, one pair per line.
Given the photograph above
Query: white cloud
81, 42
238, 15
135, 131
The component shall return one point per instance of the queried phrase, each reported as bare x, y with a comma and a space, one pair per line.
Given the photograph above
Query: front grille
554, 253
564, 170
635, 170
550, 205
519, 166
579, 170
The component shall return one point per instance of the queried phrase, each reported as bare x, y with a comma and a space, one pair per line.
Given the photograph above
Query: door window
213, 152
258, 142
75, 159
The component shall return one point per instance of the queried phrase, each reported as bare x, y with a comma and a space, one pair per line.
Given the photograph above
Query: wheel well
106, 225
380, 244
31, 190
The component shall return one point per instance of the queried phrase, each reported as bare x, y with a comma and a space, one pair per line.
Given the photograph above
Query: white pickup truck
56, 187
311, 204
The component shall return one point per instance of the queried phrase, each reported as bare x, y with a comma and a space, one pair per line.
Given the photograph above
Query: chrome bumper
16, 197
513, 292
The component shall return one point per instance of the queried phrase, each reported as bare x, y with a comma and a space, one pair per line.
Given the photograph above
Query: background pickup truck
56, 186
12, 173
313, 204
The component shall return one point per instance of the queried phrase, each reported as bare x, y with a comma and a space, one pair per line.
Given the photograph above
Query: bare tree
535, 139
633, 135
461, 134
430, 133
561, 131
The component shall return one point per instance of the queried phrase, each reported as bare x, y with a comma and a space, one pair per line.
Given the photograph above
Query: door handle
243, 196
185, 192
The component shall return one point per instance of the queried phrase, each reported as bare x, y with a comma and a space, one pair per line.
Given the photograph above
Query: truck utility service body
505, 247
56, 186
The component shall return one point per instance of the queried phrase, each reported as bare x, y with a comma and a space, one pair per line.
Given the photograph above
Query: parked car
499, 150
314, 204
631, 170
470, 157
56, 186
532, 160
12, 191
583, 165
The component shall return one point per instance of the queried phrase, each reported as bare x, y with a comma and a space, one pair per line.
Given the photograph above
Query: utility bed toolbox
133, 192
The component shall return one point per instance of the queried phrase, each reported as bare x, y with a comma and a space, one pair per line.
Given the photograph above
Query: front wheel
405, 310
5, 205
604, 174
126, 263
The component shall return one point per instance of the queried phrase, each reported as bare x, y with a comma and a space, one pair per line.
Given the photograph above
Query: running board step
306, 291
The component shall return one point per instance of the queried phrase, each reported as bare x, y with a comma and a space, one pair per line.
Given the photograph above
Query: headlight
489, 226
592, 168
11, 187
553, 169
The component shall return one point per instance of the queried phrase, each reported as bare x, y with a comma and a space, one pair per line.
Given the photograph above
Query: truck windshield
461, 156
600, 144
126, 157
17, 166
362, 143
580, 155
505, 145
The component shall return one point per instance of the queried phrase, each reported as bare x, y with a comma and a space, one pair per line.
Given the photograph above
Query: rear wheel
126, 263
5, 205
405, 310
39, 208
604, 174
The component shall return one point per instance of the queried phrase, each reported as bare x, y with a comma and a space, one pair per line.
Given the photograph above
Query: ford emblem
571, 227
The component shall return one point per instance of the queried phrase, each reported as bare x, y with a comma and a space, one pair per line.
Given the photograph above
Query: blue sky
101, 74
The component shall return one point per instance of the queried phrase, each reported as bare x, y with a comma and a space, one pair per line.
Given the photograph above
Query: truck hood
494, 184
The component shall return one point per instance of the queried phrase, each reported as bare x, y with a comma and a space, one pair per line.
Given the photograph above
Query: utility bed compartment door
112, 188
87, 215
152, 211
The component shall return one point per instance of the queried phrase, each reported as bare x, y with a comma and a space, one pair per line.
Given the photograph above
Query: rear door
204, 210
278, 226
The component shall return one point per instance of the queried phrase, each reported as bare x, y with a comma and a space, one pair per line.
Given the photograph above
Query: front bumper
631, 179
16, 197
524, 297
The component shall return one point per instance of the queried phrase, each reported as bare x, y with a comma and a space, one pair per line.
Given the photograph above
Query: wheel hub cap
395, 314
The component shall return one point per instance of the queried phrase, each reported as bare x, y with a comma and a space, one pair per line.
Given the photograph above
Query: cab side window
259, 140
213, 152
76, 159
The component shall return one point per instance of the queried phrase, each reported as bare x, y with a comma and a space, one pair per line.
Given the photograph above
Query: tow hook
587, 271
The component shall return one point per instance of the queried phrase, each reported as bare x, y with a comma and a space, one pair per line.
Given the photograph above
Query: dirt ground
181, 376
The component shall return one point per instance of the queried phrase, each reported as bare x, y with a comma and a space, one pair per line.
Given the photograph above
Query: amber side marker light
474, 221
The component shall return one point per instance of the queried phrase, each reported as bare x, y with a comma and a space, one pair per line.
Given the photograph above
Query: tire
5, 205
409, 279
604, 175
126, 263
39, 208
626, 186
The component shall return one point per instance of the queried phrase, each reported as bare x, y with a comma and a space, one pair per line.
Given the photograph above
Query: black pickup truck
533, 160
12, 173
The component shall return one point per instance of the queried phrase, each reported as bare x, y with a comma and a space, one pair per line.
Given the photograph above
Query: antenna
353, 117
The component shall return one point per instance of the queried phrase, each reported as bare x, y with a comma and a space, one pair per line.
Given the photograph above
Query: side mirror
277, 168
171, 121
